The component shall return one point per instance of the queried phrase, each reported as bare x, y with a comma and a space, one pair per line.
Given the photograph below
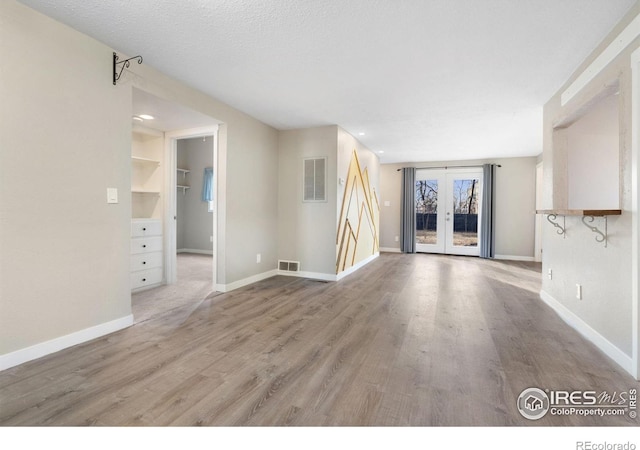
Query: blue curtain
408, 212
207, 185
487, 233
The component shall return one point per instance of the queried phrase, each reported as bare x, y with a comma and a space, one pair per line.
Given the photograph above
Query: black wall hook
123, 64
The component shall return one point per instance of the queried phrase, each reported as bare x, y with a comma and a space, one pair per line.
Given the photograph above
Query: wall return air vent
288, 266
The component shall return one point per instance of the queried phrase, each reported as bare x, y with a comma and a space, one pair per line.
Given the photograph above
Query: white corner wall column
635, 207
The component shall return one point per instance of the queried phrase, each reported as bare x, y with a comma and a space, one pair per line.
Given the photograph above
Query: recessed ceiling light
361, 133
146, 117
138, 119
381, 151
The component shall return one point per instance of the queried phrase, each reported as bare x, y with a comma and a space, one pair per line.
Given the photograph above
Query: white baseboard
55, 345
246, 281
310, 275
301, 274
195, 250
622, 359
515, 258
357, 266
390, 250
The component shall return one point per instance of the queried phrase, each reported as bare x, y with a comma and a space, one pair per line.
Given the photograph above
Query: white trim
194, 250
310, 275
55, 345
619, 43
575, 322
357, 266
390, 250
635, 211
246, 281
515, 258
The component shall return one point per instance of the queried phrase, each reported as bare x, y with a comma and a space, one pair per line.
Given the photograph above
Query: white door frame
170, 181
445, 220
635, 210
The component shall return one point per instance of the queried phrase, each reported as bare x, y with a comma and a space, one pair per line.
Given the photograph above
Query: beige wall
604, 273
65, 136
307, 231
514, 207
593, 163
369, 162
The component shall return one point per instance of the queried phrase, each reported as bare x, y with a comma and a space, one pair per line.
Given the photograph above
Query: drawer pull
144, 229
144, 245
144, 262
144, 279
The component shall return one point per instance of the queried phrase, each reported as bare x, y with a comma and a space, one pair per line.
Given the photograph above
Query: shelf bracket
125, 64
551, 218
601, 237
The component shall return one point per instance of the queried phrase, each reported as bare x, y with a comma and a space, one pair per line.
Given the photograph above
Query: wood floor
407, 340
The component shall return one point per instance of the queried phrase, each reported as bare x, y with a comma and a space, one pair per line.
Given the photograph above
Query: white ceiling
423, 79
167, 116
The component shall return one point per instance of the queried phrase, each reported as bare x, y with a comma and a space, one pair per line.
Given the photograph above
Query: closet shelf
145, 160
184, 188
184, 172
587, 216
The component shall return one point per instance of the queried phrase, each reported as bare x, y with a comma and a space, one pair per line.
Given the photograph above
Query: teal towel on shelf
207, 185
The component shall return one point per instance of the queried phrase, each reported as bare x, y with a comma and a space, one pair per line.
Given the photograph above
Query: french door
448, 211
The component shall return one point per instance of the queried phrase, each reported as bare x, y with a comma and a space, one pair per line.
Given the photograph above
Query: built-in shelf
184, 172
588, 216
145, 160
139, 191
184, 188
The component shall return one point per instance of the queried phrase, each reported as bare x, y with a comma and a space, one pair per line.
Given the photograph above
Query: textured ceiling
423, 79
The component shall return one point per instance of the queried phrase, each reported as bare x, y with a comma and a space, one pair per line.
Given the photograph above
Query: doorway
191, 220
194, 208
448, 211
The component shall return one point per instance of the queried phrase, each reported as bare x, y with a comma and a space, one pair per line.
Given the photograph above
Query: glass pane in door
465, 212
427, 211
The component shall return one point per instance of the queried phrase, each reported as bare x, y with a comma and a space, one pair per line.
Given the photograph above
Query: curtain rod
451, 167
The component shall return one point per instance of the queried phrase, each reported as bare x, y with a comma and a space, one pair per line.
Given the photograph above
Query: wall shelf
145, 160
139, 191
184, 172
581, 212
184, 188
586, 215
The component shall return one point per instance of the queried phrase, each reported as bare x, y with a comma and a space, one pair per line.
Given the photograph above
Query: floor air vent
289, 266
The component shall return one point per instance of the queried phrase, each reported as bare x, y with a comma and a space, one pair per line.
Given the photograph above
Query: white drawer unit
146, 253
145, 227
146, 278
145, 261
146, 245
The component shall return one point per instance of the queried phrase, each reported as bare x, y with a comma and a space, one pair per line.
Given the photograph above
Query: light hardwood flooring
406, 340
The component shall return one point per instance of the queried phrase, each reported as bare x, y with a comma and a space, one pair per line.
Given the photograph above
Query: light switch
112, 195
387, 203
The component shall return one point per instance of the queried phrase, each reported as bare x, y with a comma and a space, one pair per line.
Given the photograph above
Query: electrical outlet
579, 291
258, 258
550, 274
397, 239
210, 238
